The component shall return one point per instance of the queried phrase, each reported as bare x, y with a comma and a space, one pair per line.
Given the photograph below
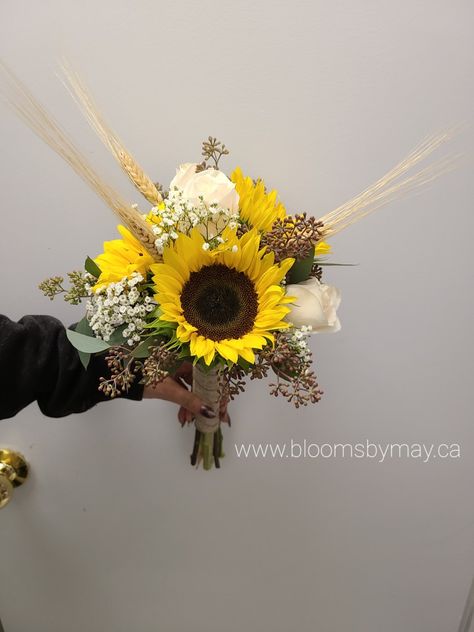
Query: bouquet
211, 270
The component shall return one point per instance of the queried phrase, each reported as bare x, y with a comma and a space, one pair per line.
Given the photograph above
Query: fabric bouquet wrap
211, 271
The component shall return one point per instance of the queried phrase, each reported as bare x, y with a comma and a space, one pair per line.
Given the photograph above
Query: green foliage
85, 343
144, 348
301, 269
83, 327
319, 262
117, 339
92, 268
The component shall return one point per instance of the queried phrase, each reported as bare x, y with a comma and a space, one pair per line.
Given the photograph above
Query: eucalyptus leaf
87, 344
84, 358
83, 327
92, 268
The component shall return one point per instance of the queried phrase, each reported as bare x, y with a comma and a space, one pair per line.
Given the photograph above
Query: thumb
172, 391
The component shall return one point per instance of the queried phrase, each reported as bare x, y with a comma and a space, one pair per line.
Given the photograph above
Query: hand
174, 389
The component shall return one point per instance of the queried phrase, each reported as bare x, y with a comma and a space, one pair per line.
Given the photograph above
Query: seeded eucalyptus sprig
232, 381
53, 287
212, 149
161, 190
123, 369
296, 381
316, 271
293, 236
159, 364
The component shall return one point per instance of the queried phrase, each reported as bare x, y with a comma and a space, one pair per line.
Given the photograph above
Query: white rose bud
210, 184
315, 304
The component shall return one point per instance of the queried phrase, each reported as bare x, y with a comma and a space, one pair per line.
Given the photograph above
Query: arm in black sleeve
37, 362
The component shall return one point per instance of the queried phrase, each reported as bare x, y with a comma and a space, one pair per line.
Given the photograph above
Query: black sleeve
37, 362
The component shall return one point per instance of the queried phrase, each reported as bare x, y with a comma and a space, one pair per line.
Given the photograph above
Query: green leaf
156, 313
154, 324
92, 268
327, 263
301, 269
117, 336
84, 358
87, 344
184, 353
83, 327
143, 349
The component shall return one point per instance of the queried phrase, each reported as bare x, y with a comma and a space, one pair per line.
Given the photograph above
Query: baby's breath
179, 215
118, 304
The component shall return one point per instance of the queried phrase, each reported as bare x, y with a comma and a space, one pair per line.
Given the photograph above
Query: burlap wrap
206, 386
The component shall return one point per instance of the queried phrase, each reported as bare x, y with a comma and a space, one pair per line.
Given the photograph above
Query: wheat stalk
392, 185
38, 119
110, 139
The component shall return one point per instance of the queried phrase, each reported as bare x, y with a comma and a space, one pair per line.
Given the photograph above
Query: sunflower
225, 302
322, 248
258, 208
121, 258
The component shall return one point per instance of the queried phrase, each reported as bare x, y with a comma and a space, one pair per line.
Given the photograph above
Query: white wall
115, 531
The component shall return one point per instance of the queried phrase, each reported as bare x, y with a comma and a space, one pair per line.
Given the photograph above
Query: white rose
315, 304
213, 185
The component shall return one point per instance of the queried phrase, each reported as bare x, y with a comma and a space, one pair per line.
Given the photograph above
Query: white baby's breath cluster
119, 304
179, 215
298, 340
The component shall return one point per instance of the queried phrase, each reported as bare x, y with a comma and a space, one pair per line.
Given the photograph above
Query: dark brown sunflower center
220, 302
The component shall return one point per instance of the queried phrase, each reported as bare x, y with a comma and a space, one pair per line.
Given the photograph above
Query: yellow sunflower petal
209, 357
322, 248
226, 350
122, 258
247, 354
258, 208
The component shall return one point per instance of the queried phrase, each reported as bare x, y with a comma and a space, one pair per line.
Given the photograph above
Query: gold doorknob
13, 473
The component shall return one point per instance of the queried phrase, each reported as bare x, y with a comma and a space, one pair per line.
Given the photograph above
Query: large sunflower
121, 258
258, 208
225, 302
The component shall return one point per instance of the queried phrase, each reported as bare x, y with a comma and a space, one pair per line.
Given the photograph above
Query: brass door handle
13, 473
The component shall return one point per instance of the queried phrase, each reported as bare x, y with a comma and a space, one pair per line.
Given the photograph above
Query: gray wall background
115, 530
